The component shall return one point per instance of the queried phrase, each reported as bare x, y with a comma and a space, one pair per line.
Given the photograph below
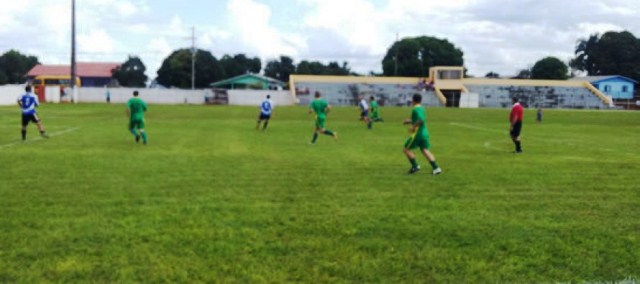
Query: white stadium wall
254, 98
9, 94
151, 96
469, 100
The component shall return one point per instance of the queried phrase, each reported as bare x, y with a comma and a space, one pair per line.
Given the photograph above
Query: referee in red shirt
517, 113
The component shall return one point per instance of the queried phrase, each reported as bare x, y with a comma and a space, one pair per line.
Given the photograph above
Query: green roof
249, 80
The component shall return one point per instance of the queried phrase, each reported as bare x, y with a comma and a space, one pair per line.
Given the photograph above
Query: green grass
212, 200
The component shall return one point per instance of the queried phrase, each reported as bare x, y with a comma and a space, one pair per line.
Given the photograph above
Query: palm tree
586, 50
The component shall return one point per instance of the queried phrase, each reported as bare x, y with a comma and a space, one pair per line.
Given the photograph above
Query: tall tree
523, 74
585, 55
240, 64
14, 67
414, 56
280, 69
618, 53
310, 68
318, 68
176, 69
131, 73
550, 68
492, 74
333, 68
613, 53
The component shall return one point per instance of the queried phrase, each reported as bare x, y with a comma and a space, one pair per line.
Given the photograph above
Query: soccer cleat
517, 152
44, 135
137, 138
436, 171
414, 169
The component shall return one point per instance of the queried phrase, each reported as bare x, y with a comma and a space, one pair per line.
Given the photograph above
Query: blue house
616, 86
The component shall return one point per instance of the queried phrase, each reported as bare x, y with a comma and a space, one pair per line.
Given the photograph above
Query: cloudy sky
495, 35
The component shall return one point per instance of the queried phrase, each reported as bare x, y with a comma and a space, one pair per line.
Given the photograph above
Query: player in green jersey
320, 107
419, 137
135, 110
374, 110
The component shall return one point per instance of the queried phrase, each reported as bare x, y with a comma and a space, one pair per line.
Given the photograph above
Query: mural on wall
217, 97
346, 94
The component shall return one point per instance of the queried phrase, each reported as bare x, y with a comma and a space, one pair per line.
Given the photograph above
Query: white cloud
250, 20
126, 8
495, 35
159, 49
357, 22
160, 46
10, 12
600, 28
98, 41
140, 28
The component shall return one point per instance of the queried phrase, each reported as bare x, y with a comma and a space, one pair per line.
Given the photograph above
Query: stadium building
447, 87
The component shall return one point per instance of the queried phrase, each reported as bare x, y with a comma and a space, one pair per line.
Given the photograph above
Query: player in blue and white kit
266, 109
28, 103
364, 111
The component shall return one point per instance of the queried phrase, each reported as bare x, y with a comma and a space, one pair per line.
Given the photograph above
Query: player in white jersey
364, 111
266, 109
28, 103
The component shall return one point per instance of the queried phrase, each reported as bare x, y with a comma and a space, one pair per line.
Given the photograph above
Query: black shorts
364, 114
264, 116
26, 118
517, 127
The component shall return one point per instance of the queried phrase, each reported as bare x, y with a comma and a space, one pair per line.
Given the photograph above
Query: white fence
9, 94
469, 100
249, 97
151, 96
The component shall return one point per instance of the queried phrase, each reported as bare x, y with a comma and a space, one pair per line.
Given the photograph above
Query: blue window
607, 88
625, 89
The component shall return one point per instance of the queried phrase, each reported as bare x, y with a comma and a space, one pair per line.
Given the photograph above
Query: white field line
53, 134
17, 125
488, 145
478, 127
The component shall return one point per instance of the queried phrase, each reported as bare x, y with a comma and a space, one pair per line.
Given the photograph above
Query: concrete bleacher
499, 96
345, 94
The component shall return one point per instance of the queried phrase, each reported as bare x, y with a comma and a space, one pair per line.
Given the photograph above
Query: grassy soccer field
210, 199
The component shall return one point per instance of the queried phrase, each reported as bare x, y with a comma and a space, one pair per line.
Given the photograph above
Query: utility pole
395, 58
73, 52
193, 58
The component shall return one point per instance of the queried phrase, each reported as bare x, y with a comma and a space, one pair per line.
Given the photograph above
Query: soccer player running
515, 118
364, 112
320, 107
374, 110
266, 109
28, 103
135, 110
419, 137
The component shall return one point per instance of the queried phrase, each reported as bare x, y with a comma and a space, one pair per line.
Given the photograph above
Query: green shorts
320, 122
138, 124
417, 142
